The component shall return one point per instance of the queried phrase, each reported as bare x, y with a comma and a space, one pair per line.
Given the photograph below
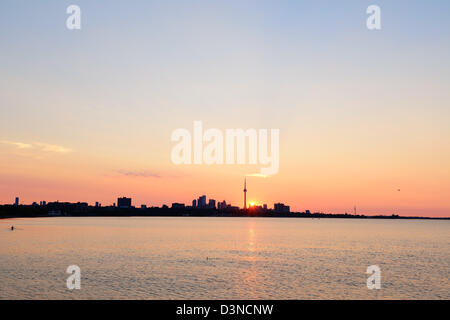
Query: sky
364, 115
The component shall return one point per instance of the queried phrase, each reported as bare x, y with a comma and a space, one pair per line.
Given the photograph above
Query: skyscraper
222, 205
16, 203
201, 203
245, 193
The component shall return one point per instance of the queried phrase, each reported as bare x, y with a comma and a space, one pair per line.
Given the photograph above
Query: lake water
223, 258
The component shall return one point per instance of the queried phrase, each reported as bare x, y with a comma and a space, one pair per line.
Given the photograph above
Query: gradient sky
87, 115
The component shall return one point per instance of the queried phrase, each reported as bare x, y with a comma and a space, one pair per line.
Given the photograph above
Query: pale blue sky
235, 63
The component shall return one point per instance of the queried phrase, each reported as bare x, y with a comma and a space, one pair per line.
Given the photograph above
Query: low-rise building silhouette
178, 205
124, 203
281, 208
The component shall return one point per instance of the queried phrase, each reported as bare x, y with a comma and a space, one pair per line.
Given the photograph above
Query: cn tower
245, 193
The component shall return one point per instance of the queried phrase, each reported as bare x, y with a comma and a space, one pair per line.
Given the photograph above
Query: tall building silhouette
222, 205
245, 193
201, 202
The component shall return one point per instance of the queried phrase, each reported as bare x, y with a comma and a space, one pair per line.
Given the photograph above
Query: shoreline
82, 209
220, 216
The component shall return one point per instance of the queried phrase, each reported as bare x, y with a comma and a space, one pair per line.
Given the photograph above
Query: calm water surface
223, 258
